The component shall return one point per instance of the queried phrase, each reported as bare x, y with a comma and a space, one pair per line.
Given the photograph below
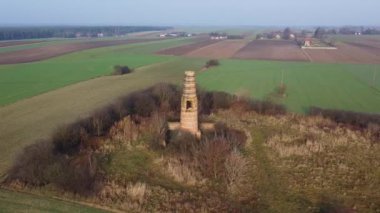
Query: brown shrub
158, 130
168, 96
355, 120
67, 139
212, 101
142, 105
33, 164
236, 138
236, 171
79, 174
183, 144
266, 107
211, 156
281, 90
37, 165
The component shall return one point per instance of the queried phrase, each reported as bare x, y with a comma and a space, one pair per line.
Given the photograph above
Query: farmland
346, 53
21, 81
223, 49
354, 51
272, 50
31, 92
51, 51
308, 84
37, 98
185, 49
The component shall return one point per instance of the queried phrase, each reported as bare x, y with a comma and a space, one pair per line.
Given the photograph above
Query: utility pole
282, 78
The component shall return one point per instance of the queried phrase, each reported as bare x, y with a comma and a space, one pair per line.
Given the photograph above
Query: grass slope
338, 86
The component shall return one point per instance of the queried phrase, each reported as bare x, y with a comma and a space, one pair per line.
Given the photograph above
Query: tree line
19, 33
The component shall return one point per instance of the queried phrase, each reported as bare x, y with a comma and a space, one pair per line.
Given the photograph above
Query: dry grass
182, 173
138, 191
322, 163
236, 172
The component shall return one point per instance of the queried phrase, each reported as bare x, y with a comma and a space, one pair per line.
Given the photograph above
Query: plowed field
220, 50
272, 50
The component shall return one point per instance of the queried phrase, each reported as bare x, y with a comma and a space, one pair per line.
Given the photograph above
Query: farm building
307, 42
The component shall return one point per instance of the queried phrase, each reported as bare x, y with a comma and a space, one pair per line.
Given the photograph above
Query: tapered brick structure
189, 105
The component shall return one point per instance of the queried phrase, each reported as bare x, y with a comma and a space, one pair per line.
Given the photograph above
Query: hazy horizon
194, 13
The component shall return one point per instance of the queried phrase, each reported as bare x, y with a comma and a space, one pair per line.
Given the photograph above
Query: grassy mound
258, 158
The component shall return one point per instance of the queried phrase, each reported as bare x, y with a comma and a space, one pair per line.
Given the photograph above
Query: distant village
320, 37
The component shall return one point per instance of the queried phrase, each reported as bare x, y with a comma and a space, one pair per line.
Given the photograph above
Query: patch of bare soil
185, 49
51, 51
272, 50
220, 50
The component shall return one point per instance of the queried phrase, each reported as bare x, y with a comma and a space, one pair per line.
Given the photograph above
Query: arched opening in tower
189, 105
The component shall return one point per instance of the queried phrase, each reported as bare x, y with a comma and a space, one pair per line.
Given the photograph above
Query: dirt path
267, 186
274, 196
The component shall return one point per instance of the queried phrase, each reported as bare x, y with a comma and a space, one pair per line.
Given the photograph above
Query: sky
191, 12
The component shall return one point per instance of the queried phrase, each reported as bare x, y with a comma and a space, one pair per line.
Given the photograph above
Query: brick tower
189, 105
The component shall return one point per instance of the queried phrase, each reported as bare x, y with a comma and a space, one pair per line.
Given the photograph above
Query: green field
335, 86
22, 81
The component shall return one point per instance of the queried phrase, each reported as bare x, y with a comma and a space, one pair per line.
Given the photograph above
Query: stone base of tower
176, 126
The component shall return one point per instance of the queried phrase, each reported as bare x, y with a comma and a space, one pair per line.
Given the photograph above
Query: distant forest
19, 33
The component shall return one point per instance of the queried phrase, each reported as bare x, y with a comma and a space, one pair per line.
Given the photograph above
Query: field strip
55, 50
219, 50
185, 49
280, 50
202, 48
